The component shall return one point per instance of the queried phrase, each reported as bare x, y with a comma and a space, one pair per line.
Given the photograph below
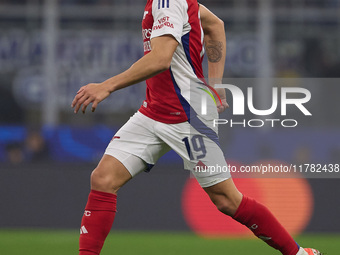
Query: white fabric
148, 140
169, 20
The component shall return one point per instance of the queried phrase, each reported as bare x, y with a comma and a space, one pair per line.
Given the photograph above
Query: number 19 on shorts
197, 144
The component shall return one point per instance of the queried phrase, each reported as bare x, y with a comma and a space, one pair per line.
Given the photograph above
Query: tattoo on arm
214, 50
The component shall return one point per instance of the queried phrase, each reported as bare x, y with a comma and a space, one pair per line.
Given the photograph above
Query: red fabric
164, 100
265, 226
97, 221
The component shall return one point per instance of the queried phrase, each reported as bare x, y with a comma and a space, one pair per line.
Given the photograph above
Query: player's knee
102, 181
226, 205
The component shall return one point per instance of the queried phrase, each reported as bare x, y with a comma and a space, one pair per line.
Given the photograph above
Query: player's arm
215, 46
153, 63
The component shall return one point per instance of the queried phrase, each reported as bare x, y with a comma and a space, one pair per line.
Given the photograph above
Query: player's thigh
109, 175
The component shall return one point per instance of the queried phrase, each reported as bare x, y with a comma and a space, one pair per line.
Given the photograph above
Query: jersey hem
163, 120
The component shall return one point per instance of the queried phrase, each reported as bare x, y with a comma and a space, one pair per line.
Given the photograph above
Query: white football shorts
142, 141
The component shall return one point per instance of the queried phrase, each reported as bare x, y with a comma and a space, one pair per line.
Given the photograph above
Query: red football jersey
168, 93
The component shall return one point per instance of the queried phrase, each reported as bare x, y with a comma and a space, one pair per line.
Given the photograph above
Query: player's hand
91, 93
222, 95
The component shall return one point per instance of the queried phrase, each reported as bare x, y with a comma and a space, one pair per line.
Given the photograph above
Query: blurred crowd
32, 149
299, 51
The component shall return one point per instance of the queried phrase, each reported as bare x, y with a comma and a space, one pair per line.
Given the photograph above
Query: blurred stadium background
48, 49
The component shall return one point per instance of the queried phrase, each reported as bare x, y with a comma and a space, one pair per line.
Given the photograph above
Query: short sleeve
169, 18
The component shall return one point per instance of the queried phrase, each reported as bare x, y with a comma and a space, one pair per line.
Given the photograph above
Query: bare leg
225, 196
109, 176
100, 210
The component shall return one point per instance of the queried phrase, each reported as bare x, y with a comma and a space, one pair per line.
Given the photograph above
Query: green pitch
60, 242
